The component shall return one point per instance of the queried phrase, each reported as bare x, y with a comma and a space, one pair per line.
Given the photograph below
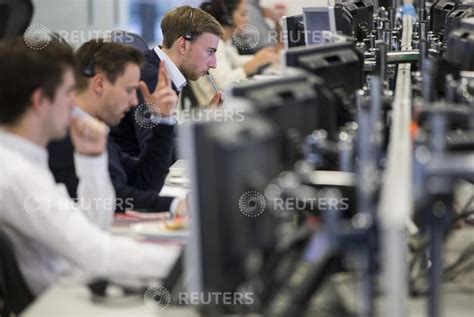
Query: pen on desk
213, 83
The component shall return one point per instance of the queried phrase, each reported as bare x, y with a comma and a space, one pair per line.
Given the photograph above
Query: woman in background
231, 67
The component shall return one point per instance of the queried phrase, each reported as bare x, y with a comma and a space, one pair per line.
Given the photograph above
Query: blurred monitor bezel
222, 170
290, 27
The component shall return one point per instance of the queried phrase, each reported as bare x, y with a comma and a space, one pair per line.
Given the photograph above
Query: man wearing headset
107, 81
190, 41
50, 233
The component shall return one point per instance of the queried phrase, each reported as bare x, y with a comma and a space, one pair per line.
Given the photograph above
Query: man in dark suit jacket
108, 78
190, 40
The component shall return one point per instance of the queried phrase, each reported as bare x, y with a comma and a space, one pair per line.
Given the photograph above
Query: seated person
267, 21
50, 234
232, 67
190, 40
107, 81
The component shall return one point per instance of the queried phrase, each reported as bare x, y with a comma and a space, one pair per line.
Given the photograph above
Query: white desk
67, 298
70, 297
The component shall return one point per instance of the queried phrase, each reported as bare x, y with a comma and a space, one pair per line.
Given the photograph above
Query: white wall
81, 18
295, 6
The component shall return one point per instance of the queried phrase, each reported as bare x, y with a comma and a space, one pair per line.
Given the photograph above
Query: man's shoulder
149, 70
17, 165
151, 60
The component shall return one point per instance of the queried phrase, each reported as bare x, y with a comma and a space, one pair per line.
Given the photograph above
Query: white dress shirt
229, 70
176, 76
50, 235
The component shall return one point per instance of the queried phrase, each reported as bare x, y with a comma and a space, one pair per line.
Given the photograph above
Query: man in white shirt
50, 234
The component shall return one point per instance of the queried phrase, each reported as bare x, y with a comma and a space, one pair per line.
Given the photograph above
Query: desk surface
69, 297
66, 298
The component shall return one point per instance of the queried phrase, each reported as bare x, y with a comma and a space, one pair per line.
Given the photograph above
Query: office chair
13, 290
15, 16
129, 38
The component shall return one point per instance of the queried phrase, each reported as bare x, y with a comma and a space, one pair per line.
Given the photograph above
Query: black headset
189, 36
89, 70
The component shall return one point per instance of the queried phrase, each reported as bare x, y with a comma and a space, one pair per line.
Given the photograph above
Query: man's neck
172, 55
30, 130
87, 102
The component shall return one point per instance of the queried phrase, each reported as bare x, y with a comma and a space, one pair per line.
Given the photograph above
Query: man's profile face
120, 96
59, 111
201, 56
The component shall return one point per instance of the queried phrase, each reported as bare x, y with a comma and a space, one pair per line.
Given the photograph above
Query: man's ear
182, 45
37, 99
97, 83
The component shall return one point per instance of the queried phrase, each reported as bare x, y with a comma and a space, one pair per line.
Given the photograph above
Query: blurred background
139, 16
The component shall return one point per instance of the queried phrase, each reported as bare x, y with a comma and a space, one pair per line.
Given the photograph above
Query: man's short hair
180, 21
23, 70
101, 56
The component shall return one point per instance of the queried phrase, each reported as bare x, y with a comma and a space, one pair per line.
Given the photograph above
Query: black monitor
355, 17
339, 64
293, 31
297, 103
226, 161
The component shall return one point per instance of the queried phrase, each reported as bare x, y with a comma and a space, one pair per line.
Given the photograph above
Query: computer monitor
297, 103
354, 17
319, 24
293, 31
339, 64
227, 160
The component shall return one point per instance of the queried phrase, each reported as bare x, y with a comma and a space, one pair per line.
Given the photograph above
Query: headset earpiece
88, 70
189, 36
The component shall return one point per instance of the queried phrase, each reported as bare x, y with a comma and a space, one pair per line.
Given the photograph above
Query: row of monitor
311, 27
229, 159
318, 25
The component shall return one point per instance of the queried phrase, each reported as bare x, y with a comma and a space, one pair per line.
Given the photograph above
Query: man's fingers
217, 99
164, 76
160, 77
144, 89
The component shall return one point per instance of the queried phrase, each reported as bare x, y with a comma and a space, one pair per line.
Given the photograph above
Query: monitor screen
319, 24
329, 61
225, 231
